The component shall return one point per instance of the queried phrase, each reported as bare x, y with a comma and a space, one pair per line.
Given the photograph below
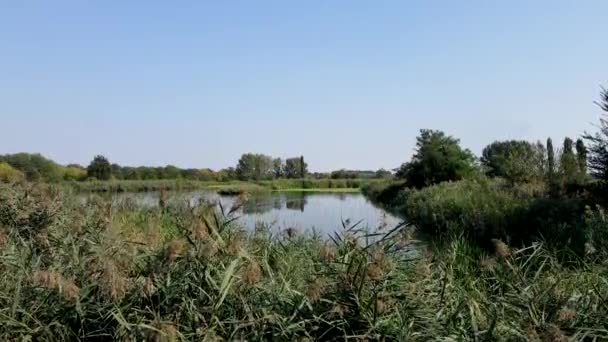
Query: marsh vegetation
101, 271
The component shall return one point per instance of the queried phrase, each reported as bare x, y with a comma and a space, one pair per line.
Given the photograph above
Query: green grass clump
477, 208
114, 186
96, 271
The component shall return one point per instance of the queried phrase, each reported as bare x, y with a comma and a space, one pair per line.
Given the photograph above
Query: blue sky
348, 84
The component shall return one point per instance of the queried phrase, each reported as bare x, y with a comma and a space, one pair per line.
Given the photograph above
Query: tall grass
94, 271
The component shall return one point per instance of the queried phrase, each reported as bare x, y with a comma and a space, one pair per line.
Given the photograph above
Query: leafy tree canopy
515, 160
255, 167
295, 168
598, 142
438, 158
99, 168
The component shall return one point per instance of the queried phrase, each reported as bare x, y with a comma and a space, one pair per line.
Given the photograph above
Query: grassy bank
70, 272
349, 185
483, 209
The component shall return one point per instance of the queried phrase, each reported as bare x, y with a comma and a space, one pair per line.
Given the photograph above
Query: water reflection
323, 212
266, 202
296, 202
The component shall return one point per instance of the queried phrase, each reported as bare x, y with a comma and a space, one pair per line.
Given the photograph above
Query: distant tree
117, 171
171, 172
295, 167
254, 167
207, 175
581, 155
228, 174
99, 168
320, 175
278, 167
550, 159
568, 164
515, 160
147, 173
343, 174
438, 158
130, 173
190, 174
541, 158
598, 142
303, 168
382, 173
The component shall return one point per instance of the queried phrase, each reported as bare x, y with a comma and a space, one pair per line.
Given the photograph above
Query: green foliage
482, 209
550, 159
359, 174
99, 168
278, 168
343, 174
254, 167
382, 173
73, 173
479, 209
438, 158
569, 167
598, 143
317, 184
34, 166
9, 174
295, 168
514, 160
581, 156
391, 195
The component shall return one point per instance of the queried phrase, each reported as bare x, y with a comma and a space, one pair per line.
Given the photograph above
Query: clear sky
348, 84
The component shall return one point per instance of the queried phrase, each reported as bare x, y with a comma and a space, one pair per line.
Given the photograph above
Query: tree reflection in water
265, 202
296, 202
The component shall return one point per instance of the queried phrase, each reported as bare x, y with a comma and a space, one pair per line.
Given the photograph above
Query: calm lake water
323, 212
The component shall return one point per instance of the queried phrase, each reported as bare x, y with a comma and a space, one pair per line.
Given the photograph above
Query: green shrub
10, 174
478, 208
483, 209
392, 195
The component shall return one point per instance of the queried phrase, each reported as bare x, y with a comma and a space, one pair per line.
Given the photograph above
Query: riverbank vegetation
309, 184
250, 167
254, 172
519, 192
96, 271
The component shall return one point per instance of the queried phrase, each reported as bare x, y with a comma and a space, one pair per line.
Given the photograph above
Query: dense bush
391, 195
34, 166
10, 174
480, 209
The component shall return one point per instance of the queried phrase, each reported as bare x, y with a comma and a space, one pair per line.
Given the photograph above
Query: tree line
250, 166
439, 157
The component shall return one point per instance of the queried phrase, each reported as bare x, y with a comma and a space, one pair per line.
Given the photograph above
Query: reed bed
94, 271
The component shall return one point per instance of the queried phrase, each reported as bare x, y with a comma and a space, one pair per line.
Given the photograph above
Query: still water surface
304, 211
